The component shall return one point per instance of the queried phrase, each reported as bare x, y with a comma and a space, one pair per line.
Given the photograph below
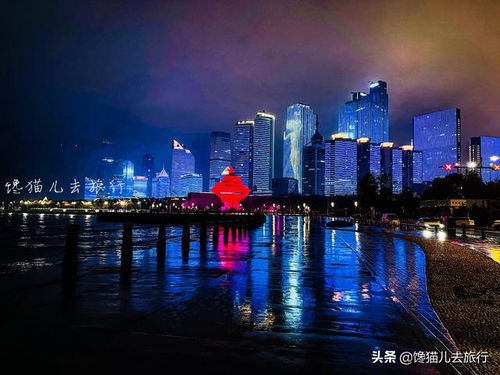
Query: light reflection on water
290, 275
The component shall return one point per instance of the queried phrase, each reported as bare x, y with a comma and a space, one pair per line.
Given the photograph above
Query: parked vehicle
459, 222
390, 219
428, 223
496, 225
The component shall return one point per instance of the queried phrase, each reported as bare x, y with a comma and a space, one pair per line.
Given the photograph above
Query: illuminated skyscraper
300, 124
140, 187
313, 175
122, 183
191, 183
161, 185
147, 171
412, 166
182, 163
220, 156
340, 166
438, 136
367, 115
391, 166
368, 158
485, 151
263, 153
241, 153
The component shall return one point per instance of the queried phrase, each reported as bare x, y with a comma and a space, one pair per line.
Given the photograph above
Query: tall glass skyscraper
438, 136
191, 183
263, 153
140, 187
313, 175
182, 163
161, 185
485, 151
147, 170
340, 166
300, 124
220, 156
412, 166
367, 115
122, 183
391, 166
368, 158
241, 153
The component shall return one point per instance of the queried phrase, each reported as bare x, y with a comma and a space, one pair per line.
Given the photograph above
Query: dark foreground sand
464, 289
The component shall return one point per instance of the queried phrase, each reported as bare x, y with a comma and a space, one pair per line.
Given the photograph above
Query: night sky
142, 72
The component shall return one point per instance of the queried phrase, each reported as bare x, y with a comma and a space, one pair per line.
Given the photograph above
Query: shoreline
464, 290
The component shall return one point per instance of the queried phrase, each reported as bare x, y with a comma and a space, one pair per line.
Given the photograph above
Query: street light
356, 204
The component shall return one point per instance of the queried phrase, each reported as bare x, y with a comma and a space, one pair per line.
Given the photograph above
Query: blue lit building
340, 166
140, 187
161, 185
367, 115
122, 183
263, 153
412, 166
148, 171
485, 151
182, 163
313, 175
391, 166
241, 153
300, 124
220, 156
438, 136
368, 155
191, 183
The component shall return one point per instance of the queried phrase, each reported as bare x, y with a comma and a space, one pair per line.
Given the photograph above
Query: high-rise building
313, 175
340, 166
122, 183
182, 163
263, 153
161, 185
220, 156
300, 123
438, 136
367, 115
107, 167
485, 152
412, 166
368, 158
391, 167
191, 183
241, 153
283, 186
140, 187
147, 171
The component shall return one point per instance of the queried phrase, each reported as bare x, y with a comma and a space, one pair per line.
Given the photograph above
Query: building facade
485, 152
148, 171
412, 166
241, 151
368, 158
391, 167
366, 115
220, 156
182, 163
438, 136
191, 183
340, 166
313, 174
263, 153
140, 189
300, 125
161, 185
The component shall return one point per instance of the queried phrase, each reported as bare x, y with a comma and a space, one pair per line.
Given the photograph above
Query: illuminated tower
182, 164
340, 166
220, 155
241, 154
147, 171
391, 166
300, 120
367, 115
161, 185
368, 158
263, 153
313, 175
438, 136
485, 152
